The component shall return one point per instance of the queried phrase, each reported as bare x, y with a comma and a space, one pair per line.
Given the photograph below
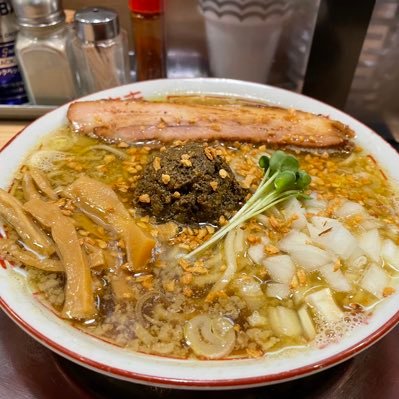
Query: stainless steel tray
24, 111
181, 64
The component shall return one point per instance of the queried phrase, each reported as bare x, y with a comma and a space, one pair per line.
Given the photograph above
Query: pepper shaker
100, 49
44, 52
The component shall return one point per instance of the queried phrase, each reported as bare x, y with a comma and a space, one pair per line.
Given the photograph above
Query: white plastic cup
243, 36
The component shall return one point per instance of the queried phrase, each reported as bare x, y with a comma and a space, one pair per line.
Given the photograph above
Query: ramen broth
275, 299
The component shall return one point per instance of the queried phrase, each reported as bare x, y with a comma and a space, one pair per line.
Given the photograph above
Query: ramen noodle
105, 233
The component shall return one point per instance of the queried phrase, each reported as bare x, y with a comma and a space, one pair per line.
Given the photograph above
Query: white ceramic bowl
97, 355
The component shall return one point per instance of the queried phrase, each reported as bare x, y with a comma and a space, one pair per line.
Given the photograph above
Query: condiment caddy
60, 62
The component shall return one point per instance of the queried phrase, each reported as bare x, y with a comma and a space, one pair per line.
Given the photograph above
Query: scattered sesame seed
145, 198
214, 185
156, 164
223, 174
165, 179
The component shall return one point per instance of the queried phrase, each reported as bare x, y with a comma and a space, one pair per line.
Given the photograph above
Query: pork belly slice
131, 121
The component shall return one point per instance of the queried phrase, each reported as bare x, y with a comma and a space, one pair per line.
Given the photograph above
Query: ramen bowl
44, 326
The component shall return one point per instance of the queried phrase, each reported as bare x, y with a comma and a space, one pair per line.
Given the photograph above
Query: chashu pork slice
131, 121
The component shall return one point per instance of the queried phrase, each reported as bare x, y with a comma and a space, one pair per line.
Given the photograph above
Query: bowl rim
187, 383
183, 383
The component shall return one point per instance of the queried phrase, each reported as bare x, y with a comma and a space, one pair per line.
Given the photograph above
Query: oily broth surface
174, 291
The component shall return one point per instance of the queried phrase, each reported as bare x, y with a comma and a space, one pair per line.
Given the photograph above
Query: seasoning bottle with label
100, 49
149, 38
44, 52
12, 89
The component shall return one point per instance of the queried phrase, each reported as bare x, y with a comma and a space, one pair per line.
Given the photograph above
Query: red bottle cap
146, 6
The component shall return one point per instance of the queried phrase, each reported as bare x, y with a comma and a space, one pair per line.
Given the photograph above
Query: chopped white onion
307, 323
281, 268
263, 219
371, 223
335, 278
357, 260
257, 320
349, 208
315, 205
310, 257
284, 321
300, 293
351, 277
251, 292
375, 280
293, 208
265, 240
332, 235
293, 239
257, 253
277, 290
248, 286
390, 253
324, 305
298, 297
370, 243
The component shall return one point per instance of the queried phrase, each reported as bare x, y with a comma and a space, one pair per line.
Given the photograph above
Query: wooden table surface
30, 371
9, 128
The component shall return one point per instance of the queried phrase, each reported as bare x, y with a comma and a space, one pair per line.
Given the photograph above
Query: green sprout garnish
282, 180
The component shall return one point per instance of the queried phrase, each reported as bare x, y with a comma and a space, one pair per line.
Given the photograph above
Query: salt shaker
44, 52
100, 49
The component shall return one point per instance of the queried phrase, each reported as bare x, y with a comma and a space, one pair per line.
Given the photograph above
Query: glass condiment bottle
149, 38
100, 49
12, 89
44, 52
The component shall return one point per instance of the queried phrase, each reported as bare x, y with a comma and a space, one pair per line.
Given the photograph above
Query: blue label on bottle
11, 85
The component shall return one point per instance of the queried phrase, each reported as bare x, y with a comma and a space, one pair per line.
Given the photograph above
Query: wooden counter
9, 128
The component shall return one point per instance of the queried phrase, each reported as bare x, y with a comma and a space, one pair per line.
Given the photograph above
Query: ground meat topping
191, 184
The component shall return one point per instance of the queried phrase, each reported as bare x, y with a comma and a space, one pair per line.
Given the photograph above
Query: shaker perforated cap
38, 13
94, 24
